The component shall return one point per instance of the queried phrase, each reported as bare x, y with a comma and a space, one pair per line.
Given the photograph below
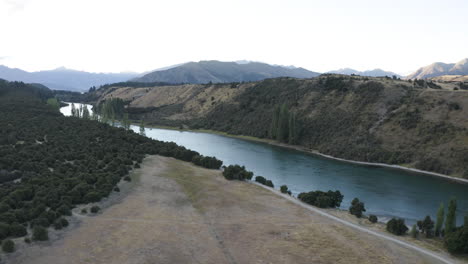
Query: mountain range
370, 73
223, 72
440, 68
64, 79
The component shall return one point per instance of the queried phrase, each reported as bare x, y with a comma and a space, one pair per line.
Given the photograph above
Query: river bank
315, 152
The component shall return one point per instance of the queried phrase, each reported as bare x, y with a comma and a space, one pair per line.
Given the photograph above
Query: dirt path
179, 213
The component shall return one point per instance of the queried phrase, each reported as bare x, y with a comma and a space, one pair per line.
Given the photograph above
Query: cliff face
352, 117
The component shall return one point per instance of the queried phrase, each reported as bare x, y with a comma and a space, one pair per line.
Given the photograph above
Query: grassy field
178, 213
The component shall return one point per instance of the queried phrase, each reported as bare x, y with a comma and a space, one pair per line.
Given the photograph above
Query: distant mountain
371, 73
64, 79
222, 72
440, 68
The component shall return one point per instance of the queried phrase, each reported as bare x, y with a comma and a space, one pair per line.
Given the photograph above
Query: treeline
284, 126
62, 162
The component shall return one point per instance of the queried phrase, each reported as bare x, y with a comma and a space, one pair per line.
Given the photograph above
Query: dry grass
179, 213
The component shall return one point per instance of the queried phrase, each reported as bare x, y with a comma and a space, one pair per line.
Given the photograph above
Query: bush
414, 232
8, 246
116, 189
64, 222
357, 208
64, 210
397, 226
269, 184
95, 209
284, 188
322, 199
27, 240
261, 179
373, 218
84, 211
92, 197
40, 233
127, 178
18, 230
57, 225
236, 172
457, 241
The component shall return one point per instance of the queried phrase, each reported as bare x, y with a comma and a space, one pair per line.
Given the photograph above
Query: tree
142, 128
414, 232
426, 226
260, 179
40, 233
357, 208
86, 114
95, 209
292, 129
274, 123
439, 220
8, 246
126, 122
451, 220
373, 218
283, 122
54, 103
73, 110
284, 188
269, 183
397, 226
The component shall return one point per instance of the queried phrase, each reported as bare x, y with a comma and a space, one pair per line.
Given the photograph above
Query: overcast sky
141, 35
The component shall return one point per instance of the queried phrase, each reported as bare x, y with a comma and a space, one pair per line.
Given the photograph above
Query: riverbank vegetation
50, 163
351, 117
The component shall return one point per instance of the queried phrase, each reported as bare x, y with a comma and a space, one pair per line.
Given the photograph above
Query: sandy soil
178, 213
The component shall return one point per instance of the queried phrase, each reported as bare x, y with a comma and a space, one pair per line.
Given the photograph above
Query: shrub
92, 197
414, 232
457, 241
284, 188
322, 199
137, 166
116, 189
260, 179
8, 246
84, 211
18, 230
27, 240
64, 210
57, 225
269, 184
4, 230
357, 208
397, 226
373, 218
64, 222
426, 226
127, 178
95, 209
236, 172
40, 233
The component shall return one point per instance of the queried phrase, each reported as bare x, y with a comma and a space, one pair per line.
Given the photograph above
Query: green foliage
414, 232
54, 103
440, 220
78, 161
127, 178
27, 240
450, 221
456, 241
426, 226
269, 183
397, 226
357, 208
236, 172
284, 188
111, 109
284, 126
17, 230
261, 179
40, 233
322, 199
373, 219
142, 128
8, 246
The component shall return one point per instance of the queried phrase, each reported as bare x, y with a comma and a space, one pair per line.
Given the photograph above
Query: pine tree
451, 221
126, 122
440, 219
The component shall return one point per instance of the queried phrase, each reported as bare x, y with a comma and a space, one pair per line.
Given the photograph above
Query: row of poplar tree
284, 126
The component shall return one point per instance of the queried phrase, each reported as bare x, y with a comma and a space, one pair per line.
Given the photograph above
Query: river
386, 192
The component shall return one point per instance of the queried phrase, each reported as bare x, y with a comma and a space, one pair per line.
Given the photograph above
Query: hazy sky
141, 35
